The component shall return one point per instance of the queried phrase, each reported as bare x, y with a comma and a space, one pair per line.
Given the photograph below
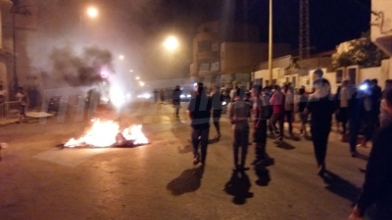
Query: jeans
289, 117
216, 115
370, 126
320, 140
354, 128
278, 117
343, 118
304, 120
200, 136
241, 140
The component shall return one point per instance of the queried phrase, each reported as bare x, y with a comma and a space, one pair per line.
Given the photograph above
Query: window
204, 45
339, 76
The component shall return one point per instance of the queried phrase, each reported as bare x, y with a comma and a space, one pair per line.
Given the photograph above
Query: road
158, 181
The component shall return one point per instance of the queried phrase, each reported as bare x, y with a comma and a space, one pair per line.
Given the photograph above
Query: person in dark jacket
321, 106
199, 112
377, 189
176, 99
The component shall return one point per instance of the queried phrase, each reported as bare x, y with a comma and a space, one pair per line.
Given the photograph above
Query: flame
105, 134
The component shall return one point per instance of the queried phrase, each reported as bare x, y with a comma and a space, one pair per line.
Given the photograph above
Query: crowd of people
364, 108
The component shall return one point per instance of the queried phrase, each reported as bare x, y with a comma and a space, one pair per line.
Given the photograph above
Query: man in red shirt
277, 101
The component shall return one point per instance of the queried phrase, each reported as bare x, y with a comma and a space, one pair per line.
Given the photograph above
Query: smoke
84, 69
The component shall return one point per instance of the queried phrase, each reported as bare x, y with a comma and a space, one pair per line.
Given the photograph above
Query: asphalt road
158, 181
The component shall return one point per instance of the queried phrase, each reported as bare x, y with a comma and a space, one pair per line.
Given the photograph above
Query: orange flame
104, 134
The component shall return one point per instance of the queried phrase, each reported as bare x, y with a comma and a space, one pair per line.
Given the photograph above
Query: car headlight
182, 96
188, 96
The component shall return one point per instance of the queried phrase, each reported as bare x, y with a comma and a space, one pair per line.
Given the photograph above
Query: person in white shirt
21, 96
342, 100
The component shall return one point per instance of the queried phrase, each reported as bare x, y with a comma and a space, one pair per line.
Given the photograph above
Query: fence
9, 109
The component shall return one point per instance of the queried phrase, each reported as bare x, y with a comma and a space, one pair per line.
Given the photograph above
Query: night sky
137, 28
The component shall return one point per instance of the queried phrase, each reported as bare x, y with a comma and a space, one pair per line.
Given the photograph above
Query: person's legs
195, 142
216, 115
273, 121
344, 119
244, 146
177, 109
324, 143
289, 117
281, 125
204, 144
236, 146
261, 140
303, 119
353, 132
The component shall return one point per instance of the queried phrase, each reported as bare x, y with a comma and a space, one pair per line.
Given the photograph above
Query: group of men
22, 99
321, 105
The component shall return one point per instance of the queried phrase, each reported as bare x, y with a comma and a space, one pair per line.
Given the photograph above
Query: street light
141, 83
92, 12
137, 78
270, 40
121, 57
171, 43
131, 71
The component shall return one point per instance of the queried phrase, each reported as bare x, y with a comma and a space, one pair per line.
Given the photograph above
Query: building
381, 31
225, 52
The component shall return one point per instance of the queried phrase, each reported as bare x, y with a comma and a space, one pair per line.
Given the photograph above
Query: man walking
239, 112
377, 189
199, 112
21, 96
217, 100
176, 99
321, 106
342, 101
278, 101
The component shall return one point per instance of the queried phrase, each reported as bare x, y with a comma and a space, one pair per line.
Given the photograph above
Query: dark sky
137, 28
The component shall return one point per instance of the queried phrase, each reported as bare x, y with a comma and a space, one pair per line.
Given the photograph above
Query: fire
107, 133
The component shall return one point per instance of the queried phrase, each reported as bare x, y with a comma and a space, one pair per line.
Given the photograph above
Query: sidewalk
8, 121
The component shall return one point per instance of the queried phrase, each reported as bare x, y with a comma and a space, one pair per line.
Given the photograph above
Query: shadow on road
188, 181
285, 145
186, 149
238, 186
340, 186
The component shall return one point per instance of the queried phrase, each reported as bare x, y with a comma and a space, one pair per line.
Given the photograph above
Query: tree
361, 52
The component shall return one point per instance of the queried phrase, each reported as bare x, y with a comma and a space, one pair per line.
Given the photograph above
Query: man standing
321, 106
355, 111
22, 99
278, 101
342, 100
176, 99
217, 100
377, 189
369, 111
261, 113
239, 112
199, 112
289, 106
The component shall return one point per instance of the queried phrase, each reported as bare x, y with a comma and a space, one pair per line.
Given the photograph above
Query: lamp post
270, 40
171, 43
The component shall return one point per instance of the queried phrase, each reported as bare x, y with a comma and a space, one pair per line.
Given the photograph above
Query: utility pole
15, 8
304, 38
270, 40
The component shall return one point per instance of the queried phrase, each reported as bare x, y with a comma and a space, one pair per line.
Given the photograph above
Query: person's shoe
218, 137
243, 168
236, 168
321, 170
354, 154
362, 145
196, 160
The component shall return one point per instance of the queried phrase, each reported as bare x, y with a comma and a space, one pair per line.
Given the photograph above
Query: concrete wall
245, 57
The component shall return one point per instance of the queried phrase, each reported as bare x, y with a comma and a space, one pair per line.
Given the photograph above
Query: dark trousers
278, 117
216, 115
370, 126
176, 104
241, 140
260, 139
289, 118
200, 136
320, 140
354, 127
304, 120
343, 118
